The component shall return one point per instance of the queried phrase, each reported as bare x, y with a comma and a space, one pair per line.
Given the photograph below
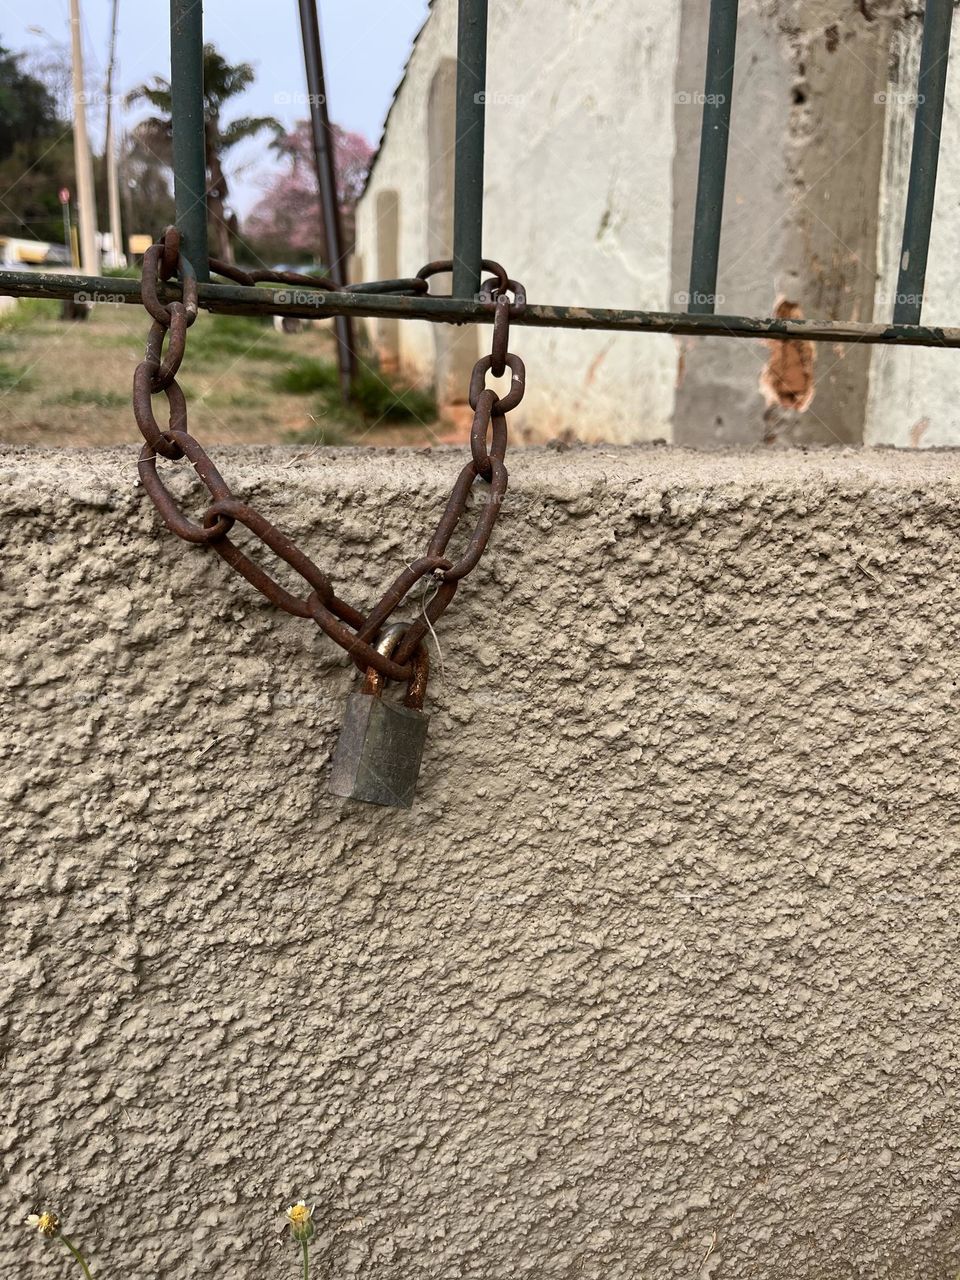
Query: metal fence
464, 305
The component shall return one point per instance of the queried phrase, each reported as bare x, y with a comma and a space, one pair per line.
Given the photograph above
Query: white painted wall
578, 198
915, 391
402, 165
586, 203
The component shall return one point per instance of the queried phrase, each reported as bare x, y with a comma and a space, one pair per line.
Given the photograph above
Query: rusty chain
354, 631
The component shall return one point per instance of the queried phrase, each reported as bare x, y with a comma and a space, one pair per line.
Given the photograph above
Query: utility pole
323, 154
86, 200
117, 257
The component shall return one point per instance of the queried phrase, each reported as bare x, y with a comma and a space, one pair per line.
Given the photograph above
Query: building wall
578, 207
800, 210
657, 979
913, 391
403, 172
591, 180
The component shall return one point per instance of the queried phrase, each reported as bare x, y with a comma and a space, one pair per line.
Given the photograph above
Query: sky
366, 44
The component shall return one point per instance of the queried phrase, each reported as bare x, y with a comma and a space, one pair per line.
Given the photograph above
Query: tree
287, 221
221, 82
144, 189
36, 154
28, 111
30, 178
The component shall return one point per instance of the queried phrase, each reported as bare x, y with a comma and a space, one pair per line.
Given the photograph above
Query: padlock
378, 753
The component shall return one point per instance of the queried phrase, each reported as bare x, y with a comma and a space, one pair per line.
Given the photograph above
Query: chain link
354, 631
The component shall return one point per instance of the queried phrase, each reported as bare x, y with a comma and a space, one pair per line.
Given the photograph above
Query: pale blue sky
366, 43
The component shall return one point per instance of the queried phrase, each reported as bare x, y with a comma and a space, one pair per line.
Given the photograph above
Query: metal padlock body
378, 754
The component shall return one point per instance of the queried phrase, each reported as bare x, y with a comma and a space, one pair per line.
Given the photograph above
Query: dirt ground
68, 383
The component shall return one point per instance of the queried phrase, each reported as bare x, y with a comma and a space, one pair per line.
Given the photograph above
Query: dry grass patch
68, 384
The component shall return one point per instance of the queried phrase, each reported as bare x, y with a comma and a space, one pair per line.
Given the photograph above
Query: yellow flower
301, 1220
47, 1223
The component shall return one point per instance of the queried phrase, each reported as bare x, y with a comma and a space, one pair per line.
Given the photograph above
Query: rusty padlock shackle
387, 641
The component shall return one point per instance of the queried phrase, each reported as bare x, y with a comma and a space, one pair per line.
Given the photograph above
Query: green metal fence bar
243, 300
189, 133
922, 186
714, 136
468, 163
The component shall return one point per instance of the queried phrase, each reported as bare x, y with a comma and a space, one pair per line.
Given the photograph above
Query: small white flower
301, 1220
47, 1223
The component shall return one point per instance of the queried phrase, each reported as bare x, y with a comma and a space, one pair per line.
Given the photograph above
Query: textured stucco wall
665, 960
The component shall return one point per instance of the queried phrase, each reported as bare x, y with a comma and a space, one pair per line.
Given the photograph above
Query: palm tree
221, 82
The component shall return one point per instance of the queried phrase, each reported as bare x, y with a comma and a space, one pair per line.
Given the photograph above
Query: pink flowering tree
286, 224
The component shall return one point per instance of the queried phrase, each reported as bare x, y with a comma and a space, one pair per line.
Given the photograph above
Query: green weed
28, 312
306, 376
99, 399
12, 376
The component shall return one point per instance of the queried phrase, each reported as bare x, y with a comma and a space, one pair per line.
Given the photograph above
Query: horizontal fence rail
305, 304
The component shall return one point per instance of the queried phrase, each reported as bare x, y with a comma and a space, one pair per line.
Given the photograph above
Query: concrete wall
578, 201
718, 398
800, 209
914, 393
658, 979
591, 182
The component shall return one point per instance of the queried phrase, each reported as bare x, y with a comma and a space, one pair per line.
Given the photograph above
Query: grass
100, 399
246, 399
382, 400
238, 336
376, 400
12, 376
307, 375
321, 431
78, 388
27, 312
126, 338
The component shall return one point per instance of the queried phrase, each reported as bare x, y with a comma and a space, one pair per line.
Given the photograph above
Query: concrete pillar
801, 209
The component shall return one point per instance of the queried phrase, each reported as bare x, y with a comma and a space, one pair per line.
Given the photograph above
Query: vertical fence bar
922, 186
468, 163
189, 136
324, 157
714, 136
